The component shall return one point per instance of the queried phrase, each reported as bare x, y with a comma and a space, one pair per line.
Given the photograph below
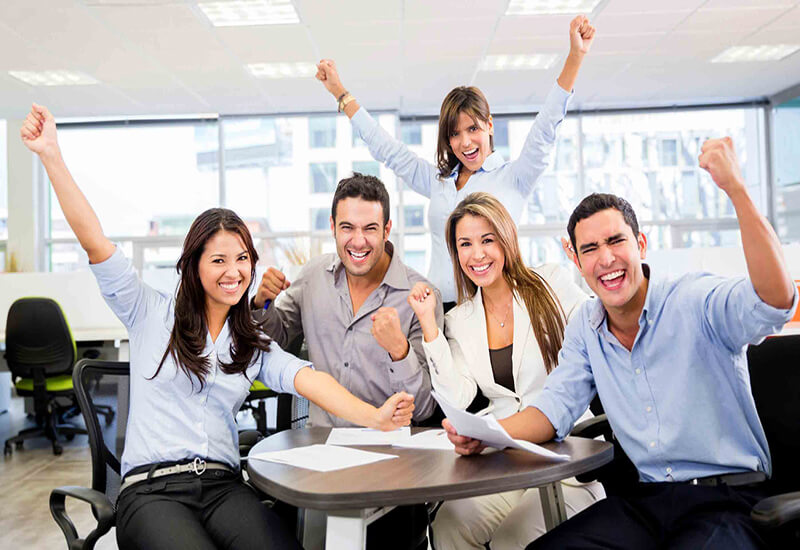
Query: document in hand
322, 458
488, 430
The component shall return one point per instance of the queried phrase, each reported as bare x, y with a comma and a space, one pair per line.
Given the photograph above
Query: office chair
40, 353
775, 384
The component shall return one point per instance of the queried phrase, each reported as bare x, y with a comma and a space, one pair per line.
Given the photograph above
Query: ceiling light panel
282, 70
550, 7
54, 78
239, 13
518, 62
767, 52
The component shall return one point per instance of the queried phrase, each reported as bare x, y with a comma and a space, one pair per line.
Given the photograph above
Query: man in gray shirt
352, 307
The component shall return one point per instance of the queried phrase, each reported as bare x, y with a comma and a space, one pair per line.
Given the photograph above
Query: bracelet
347, 98
341, 97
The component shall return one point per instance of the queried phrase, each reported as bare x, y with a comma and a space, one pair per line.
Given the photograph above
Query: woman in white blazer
503, 337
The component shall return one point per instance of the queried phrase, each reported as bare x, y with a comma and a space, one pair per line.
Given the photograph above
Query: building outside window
323, 177
322, 132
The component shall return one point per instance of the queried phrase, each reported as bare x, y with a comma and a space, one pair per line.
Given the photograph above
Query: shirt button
391, 370
669, 470
652, 444
649, 408
638, 371
346, 364
349, 329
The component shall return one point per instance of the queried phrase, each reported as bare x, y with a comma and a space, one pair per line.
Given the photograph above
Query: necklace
505, 317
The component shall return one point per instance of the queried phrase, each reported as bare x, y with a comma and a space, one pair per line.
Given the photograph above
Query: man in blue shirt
667, 358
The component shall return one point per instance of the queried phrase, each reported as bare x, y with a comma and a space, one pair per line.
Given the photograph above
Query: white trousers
510, 520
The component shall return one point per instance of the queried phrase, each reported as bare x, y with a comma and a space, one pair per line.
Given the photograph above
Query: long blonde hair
545, 311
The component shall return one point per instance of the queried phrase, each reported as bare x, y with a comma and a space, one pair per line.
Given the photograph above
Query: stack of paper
429, 439
367, 436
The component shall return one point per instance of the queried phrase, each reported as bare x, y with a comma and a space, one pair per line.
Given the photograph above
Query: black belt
731, 480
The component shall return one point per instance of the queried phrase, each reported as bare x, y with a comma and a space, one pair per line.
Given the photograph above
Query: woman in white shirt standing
193, 358
503, 337
466, 161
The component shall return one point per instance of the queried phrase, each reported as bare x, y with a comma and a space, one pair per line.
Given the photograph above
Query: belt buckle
198, 466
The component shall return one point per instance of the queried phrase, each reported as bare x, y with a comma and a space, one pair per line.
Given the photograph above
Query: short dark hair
597, 202
365, 187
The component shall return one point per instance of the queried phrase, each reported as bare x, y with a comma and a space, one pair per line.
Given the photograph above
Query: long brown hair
188, 338
545, 311
464, 99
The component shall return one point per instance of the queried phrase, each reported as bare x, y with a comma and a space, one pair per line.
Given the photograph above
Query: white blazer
458, 369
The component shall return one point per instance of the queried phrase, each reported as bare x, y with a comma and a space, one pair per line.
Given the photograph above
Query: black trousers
184, 511
663, 515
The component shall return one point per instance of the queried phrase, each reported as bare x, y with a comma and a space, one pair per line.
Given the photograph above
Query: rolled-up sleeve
570, 387
279, 368
736, 314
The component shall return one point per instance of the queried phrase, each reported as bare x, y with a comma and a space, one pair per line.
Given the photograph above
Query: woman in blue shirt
466, 161
193, 359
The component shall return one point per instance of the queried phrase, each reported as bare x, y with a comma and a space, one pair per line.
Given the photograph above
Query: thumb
286, 284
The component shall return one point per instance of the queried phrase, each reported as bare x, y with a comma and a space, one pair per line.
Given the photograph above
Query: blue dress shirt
511, 182
680, 401
170, 417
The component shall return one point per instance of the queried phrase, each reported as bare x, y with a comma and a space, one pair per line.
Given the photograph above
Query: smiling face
609, 257
360, 234
479, 252
224, 269
470, 141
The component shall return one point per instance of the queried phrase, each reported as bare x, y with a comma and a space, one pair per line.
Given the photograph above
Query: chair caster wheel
70, 437
57, 449
7, 450
18, 445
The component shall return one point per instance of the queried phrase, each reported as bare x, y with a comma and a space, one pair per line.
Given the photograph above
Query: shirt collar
598, 313
396, 276
492, 162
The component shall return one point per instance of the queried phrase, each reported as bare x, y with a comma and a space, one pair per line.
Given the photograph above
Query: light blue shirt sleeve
734, 312
278, 369
413, 170
122, 289
570, 386
535, 155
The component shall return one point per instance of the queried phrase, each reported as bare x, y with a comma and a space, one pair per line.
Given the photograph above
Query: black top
502, 367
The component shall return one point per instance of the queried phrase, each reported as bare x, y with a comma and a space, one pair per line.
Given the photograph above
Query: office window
321, 131
501, 137
414, 215
411, 133
3, 195
143, 180
320, 219
323, 177
367, 167
787, 170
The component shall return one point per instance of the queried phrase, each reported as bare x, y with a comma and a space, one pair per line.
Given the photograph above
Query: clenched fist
273, 282
718, 158
387, 331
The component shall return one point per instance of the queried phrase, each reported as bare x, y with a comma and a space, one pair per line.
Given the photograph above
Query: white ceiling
162, 57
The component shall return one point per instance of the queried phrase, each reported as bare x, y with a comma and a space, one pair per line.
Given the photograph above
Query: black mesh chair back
775, 380
38, 338
100, 384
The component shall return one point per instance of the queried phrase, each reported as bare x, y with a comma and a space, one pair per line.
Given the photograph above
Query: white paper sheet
429, 439
489, 431
367, 436
322, 458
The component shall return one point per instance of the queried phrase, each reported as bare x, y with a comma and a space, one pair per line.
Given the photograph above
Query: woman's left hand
395, 413
581, 35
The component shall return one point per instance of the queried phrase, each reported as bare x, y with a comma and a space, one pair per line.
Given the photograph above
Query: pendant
502, 325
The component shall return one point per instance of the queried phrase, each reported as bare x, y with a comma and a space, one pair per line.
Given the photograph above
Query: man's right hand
273, 282
38, 131
329, 76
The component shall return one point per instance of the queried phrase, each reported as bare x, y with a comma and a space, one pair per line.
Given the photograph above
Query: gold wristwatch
344, 99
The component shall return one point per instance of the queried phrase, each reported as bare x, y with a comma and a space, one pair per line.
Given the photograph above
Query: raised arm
762, 249
413, 170
581, 36
39, 135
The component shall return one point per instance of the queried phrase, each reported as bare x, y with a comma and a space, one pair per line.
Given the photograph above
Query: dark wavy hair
597, 202
464, 99
188, 338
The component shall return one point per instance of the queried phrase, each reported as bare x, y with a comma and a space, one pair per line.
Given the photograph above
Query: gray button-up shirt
318, 306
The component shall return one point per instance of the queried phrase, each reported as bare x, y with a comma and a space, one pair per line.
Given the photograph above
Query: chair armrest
776, 510
102, 509
592, 428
